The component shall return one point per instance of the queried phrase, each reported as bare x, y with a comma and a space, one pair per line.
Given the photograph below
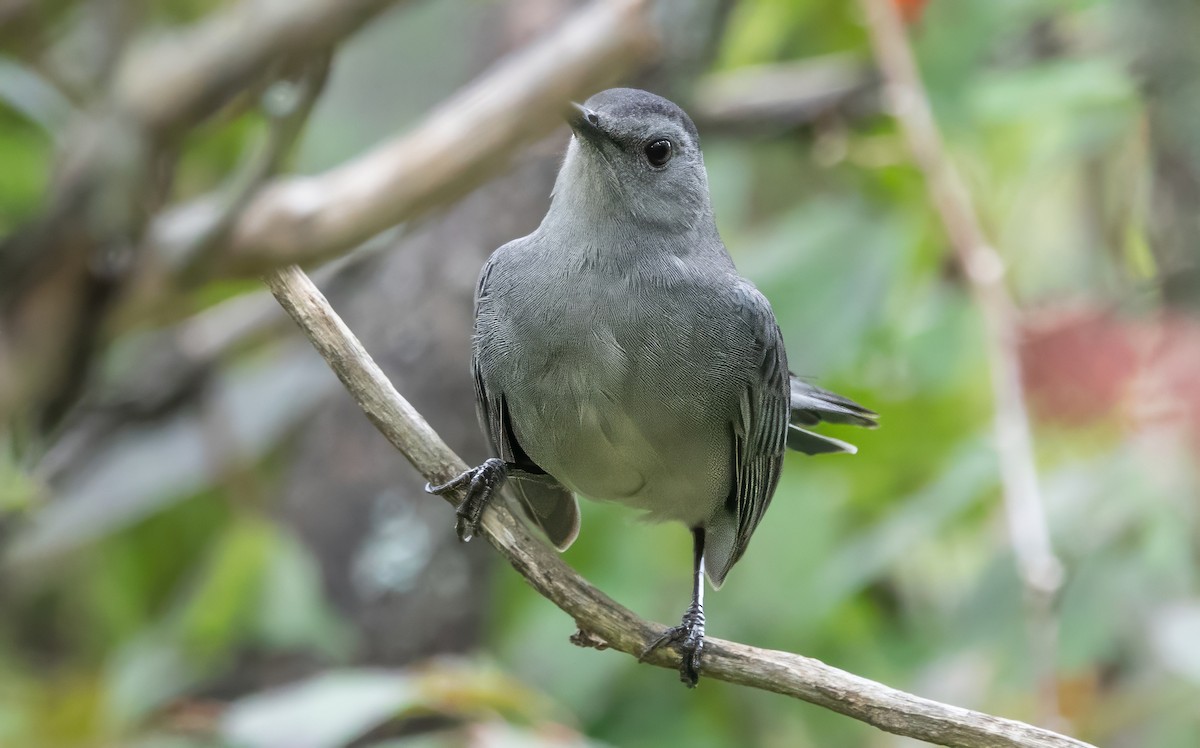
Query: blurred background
204, 542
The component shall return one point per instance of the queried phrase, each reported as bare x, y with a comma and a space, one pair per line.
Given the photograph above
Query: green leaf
224, 604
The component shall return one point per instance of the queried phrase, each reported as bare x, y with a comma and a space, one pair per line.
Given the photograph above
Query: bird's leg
481, 483
688, 636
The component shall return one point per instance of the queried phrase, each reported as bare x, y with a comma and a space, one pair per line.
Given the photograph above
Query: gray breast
601, 376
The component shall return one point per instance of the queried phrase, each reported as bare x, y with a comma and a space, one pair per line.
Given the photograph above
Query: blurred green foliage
25, 153
894, 564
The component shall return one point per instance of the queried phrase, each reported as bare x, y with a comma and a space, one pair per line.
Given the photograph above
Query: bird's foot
481, 484
688, 640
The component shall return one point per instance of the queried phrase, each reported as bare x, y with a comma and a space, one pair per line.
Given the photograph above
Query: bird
618, 355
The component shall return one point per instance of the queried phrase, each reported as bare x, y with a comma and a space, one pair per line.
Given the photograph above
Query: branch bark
306, 219
604, 623
1039, 568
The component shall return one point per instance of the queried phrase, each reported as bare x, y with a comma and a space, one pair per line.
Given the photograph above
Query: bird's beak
585, 122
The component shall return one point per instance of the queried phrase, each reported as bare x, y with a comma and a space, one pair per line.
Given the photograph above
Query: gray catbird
619, 355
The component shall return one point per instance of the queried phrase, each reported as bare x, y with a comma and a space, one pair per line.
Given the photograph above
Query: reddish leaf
1084, 364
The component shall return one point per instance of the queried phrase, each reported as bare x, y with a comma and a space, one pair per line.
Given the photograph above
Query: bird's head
635, 156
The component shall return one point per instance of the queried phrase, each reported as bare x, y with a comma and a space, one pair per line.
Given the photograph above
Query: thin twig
1040, 570
602, 621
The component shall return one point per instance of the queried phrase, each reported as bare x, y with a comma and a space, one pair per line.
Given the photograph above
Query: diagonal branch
604, 623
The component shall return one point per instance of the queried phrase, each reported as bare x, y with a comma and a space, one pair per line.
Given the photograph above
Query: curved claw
456, 482
481, 483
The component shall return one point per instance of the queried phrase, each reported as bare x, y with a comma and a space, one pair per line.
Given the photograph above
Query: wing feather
759, 430
548, 504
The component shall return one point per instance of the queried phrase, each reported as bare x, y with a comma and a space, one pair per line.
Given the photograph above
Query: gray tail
812, 405
551, 507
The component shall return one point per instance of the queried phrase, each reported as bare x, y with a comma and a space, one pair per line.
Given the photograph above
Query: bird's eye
658, 152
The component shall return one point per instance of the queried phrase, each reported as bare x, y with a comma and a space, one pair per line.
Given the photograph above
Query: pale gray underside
660, 384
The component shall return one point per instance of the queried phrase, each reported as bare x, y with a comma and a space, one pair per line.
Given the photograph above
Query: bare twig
601, 621
1040, 570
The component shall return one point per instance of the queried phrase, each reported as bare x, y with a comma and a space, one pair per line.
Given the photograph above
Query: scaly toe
670, 636
689, 643
689, 665
451, 484
465, 529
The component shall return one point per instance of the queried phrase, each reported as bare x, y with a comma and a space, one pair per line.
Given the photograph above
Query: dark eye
658, 152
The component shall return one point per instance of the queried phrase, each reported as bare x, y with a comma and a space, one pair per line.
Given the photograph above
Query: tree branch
180, 77
1040, 570
602, 622
308, 218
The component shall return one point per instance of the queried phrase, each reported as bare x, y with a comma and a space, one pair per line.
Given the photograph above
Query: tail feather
812, 405
551, 507
812, 443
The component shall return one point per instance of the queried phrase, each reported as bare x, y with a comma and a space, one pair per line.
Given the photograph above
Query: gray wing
811, 405
548, 504
759, 430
